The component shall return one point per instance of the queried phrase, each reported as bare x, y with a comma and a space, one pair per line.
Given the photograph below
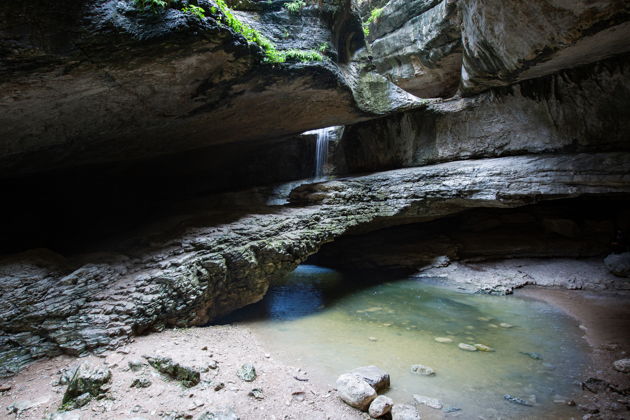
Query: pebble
483, 347
428, 401
372, 338
443, 339
467, 347
422, 370
516, 400
505, 325
622, 365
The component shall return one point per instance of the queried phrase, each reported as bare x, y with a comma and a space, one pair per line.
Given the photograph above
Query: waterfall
324, 135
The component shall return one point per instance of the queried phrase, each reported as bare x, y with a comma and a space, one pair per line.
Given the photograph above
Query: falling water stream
328, 323
324, 136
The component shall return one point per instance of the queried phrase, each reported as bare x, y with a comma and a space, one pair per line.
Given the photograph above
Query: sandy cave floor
288, 391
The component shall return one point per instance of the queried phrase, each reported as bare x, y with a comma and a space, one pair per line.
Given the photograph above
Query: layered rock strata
203, 264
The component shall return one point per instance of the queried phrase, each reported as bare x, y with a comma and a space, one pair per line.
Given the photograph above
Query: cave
257, 209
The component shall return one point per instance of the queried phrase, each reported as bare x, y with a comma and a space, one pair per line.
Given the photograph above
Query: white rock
428, 401
467, 347
405, 412
380, 406
483, 347
422, 370
443, 339
622, 365
373, 375
355, 392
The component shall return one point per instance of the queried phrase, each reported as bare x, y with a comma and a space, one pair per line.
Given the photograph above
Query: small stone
467, 347
82, 400
19, 407
213, 364
405, 412
256, 393
428, 401
140, 383
622, 365
380, 406
372, 338
532, 355
221, 414
355, 392
422, 370
376, 377
443, 340
5, 388
483, 347
595, 385
516, 400
247, 372
136, 365
505, 325
219, 386
204, 348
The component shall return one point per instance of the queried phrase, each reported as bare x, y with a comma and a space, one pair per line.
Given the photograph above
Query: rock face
583, 109
187, 275
432, 47
173, 82
166, 111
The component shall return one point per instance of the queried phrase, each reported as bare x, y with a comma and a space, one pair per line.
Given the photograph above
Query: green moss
153, 5
295, 6
374, 15
195, 11
301, 55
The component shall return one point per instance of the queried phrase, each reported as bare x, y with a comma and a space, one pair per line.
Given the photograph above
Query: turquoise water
328, 323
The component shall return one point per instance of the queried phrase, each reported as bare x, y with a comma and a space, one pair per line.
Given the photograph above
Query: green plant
323, 47
153, 5
195, 11
295, 6
374, 15
301, 55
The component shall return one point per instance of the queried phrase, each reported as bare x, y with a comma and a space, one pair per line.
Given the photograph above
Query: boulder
376, 377
188, 376
380, 406
355, 392
618, 264
88, 382
405, 412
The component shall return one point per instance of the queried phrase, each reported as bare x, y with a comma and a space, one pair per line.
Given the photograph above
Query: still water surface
329, 323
